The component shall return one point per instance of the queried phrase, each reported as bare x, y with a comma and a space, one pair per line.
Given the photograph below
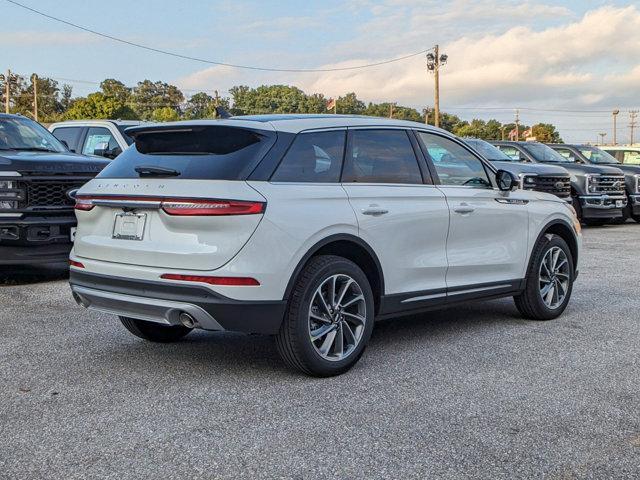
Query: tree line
160, 102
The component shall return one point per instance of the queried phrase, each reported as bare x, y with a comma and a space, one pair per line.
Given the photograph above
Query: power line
212, 62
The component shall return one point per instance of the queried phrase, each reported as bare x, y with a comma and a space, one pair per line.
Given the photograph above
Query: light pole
602, 135
434, 61
615, 128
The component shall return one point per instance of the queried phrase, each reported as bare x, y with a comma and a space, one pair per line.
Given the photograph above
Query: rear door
175, 199
400, 213
488, 233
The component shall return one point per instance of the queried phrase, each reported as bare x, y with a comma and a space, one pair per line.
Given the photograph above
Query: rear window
204, 153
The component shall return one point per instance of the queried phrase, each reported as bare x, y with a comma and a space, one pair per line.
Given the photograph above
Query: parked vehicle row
601, 189
305, 227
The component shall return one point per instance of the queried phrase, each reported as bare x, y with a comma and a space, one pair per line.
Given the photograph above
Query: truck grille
559, 185
607, 184
50, 193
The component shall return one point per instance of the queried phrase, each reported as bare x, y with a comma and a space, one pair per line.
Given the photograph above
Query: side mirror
506, 181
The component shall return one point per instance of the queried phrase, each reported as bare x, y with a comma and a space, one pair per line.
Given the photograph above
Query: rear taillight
84, 204
225, 281
211, 207
174, 206
73, 263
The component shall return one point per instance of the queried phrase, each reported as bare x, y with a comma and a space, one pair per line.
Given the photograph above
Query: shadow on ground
26, 274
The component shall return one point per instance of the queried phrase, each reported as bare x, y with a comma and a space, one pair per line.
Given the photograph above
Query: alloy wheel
554, 277
337, 317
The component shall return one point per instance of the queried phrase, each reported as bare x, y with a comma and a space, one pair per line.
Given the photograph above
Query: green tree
116, 89
149, 96
98, 105
350, 105
546, 133
50, 106
165, 114
399, 112
202, 105
271, 99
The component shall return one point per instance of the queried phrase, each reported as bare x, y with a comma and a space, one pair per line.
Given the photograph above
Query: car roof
634, 148
293, 123
124, 123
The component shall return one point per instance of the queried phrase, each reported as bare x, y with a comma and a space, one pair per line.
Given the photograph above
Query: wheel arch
564, 231
352, 248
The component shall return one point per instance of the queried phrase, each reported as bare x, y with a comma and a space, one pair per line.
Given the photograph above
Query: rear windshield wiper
151, 171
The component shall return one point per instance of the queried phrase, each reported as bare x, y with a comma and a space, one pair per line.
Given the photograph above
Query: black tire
154, 332
636, 218
576, 206
530, 303
293, 341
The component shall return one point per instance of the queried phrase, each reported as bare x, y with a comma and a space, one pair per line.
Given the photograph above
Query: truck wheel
549, 280
636, 218
154, 332
626, 214
329, 318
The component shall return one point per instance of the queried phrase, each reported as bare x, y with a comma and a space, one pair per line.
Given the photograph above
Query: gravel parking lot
470, 392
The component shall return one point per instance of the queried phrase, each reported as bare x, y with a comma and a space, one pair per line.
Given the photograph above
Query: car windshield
596, 155
543, 153
489, 151
23, 134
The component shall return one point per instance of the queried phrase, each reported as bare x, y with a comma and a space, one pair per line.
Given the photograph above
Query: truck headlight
637, 183
9, 195
591, 183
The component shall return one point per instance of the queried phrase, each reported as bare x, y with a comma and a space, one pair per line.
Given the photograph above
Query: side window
381, 156
454, 164
566, 153
512, 152
632, 157
70, 135
96, 137
313, 157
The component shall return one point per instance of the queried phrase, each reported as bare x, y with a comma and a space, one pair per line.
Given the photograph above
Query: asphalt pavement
471, 392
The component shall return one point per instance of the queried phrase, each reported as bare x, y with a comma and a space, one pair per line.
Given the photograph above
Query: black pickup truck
590, 155
597, 190
37, 177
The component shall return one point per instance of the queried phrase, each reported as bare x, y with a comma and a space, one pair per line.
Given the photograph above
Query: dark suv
37, 177
533, 176
597, 190
590, 155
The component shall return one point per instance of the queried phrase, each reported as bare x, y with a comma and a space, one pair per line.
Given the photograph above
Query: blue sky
582, 56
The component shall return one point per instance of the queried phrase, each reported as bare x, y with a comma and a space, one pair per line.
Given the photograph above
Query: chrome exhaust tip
187, 320
79, 300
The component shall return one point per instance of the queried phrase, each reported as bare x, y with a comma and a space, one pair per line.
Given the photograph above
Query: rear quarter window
203, 153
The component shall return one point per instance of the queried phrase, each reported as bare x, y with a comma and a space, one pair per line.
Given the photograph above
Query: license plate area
619, 203
129, 226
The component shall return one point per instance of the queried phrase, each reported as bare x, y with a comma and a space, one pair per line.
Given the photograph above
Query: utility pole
633, 115
434, 61
7, 90
615, 127
602, 135
34, 81
502, 133
517, 122
391, 105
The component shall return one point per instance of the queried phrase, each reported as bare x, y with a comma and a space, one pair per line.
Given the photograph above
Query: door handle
464, 208
374, 210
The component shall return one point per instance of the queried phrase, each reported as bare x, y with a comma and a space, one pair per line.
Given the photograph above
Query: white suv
309, 227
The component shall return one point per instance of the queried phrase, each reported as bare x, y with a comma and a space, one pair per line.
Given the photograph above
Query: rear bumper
35, 239
163, 303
